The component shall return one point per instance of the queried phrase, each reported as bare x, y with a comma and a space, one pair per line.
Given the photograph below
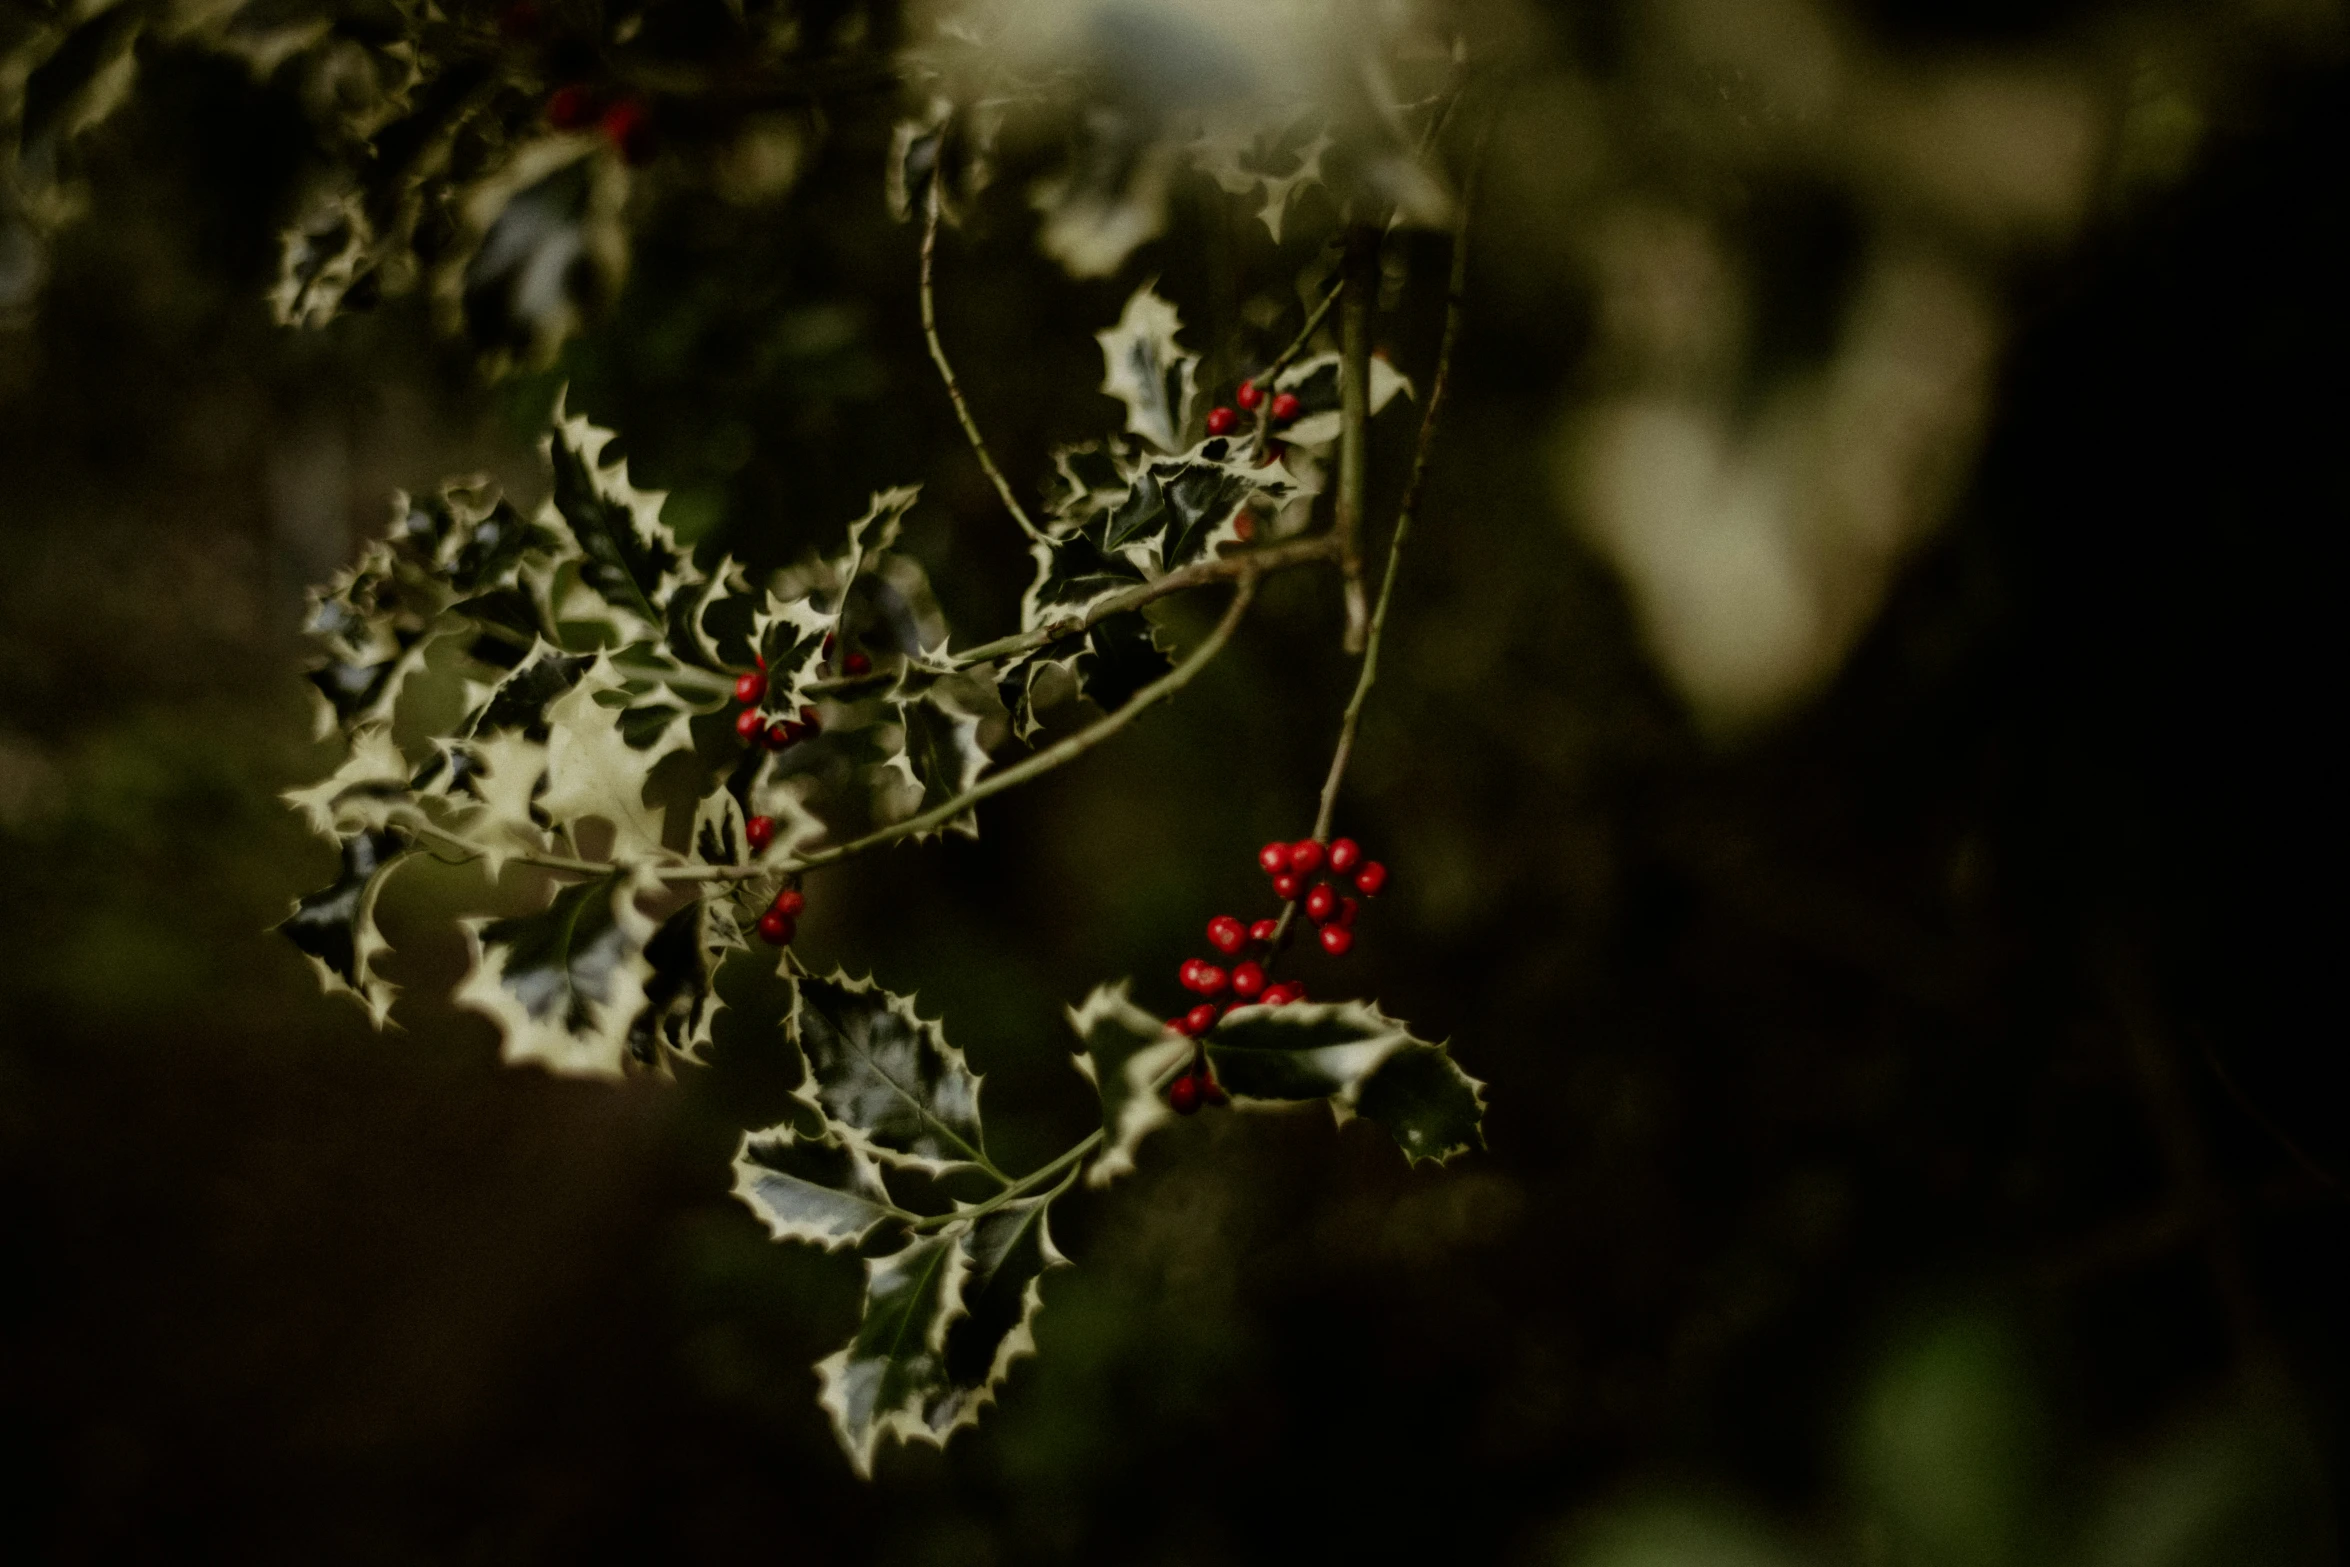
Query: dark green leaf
565, 984
1122, 655
681, 988
630, 557
822, 1191
1006, 1254
1361, 1061
1073, 572
880, 1383
1125, 1053
521, 700
888, 1080
335, 927
1431, 1107
943, 755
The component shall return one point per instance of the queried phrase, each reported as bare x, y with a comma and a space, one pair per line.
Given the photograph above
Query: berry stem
1361, 285
946, 372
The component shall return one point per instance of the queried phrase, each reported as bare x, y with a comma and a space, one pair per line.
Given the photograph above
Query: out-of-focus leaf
565, 984
335, 926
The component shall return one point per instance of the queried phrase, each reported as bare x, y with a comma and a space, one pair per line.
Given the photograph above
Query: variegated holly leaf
1006, 1254
1087, 479
541, 250
1181, 509
1279, 160
1360, 1060
1148, 371
564, 984
601, 750
681, 992
363, 793
881, 1382
60, 74
335, 926
1074, 572
519, 702
819, 1190
941, 756
1125, 1053
629, 556
1111, 196
490, 784
1314, 382
885, 1079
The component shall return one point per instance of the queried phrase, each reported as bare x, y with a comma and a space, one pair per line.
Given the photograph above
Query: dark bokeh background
1916, 1133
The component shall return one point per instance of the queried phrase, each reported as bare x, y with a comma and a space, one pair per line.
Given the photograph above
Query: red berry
1226, 934
1345, 855
857, 664
749, 723
1222, 421
1263, 930
1179, 1025
1247, 979
569, 108
826, 649
1285, 887
1188, 975
1370, 879
780, 735
1199, 1019
625, 126
1274, 857
790, 902
1249, 395
1183, 1094
1208, 1088
1285, 407
750, 686
760, 832
1244, 527
1305, 857
1321, 903
812, 720
776, 928
1275, 996
1346, 911
1336, 939
1207, 979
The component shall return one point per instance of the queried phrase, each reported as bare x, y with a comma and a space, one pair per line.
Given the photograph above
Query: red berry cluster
781, 922
625, 122
1247, 983
752, 724
1223, 421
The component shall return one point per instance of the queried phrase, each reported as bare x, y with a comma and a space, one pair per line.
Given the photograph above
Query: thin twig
1354, 412
1015, 1189
1455, 289
1224, 568
1263, 379
946, 372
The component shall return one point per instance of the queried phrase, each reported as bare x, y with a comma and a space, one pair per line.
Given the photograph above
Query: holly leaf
881, 1383
1314, 382
942, 756
520, 701
819, 1190
681, 990
363, 792
882, 1077
598, 760
542, 250
564, 984
1431, 1107
335, 926
629, 556
1278, 161
952, 148
1074, 572
1006, 1254
1345, 1053
1148, 371
1122, 655
1124, 1052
